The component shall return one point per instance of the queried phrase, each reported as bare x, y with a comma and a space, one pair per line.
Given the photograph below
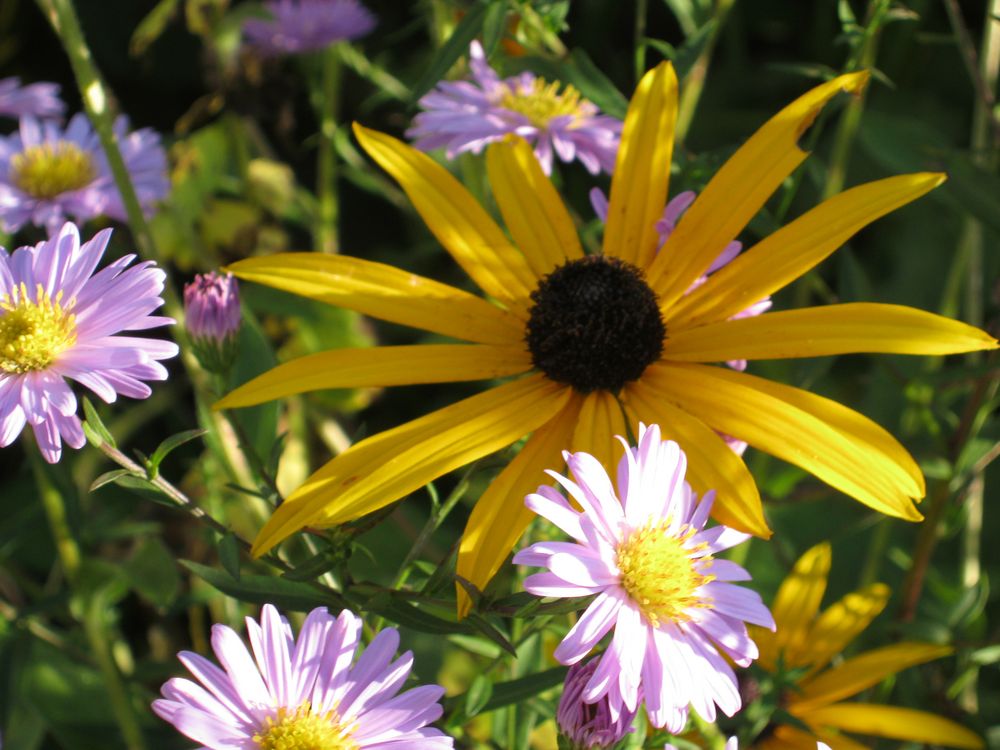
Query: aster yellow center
33, 332
658, 573
542, 101
302, 729
51, 169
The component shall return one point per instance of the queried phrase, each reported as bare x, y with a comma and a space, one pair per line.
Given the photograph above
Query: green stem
326, 101
847, 127
641, 8
91, 619
694, 82
62, 15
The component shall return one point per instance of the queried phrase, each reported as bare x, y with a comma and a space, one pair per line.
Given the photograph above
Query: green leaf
494, 25
153, 573
456, 46
97, 433
478, 695
689, 52
409, 616
523, 688
593, 84
491, 631
258, 589
151, 27
108, 477
229, 555
171, 443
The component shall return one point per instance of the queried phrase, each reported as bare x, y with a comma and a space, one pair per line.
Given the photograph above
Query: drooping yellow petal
839, 740
822, 331
384, 292
785, 737
860, 672
642, 168
839, 625
712, 465
875, 441
794, 609
391, 464
738, 190
600, 419
897, 723
381, 366
500, 515
532, 209
786, 422
460, 224
782, 257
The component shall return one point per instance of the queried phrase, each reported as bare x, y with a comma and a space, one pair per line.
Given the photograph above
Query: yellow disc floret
50, 169
542, 101
33, 332
302, 729
659, 574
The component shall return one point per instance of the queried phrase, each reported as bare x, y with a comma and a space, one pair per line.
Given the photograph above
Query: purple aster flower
213, 318
647, 556
35, 99
302, 693
589, 726
58, 320
49, 173
466, 115
298, 26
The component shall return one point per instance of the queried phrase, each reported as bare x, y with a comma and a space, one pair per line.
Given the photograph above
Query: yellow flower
589, 341
808, 641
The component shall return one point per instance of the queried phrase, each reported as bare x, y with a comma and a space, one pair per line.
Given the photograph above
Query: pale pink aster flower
302, 693
36, 99
589, 725
665, 227
647, 556
298, 26
58, 320
50, 173
467, 115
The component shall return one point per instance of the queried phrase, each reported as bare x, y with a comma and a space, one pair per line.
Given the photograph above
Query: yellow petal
785, 737
848, 452
532, 209
500, 516
822, 331
384, 292
460, 224
738, 190
840, 624
860, 672
381, 366
712, 465
642, 168
897, 723
782, 257
385, 467
795, 608
839, 741
599, 421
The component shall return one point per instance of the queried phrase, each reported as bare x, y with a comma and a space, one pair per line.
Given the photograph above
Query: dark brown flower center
595, 324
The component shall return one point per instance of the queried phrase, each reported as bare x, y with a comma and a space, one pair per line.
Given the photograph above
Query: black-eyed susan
590, 341
806, 640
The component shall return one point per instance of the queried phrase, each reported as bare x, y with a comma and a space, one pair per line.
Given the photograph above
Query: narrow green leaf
107, 478
478, 695
516, 691
257, 589
171, 443
494, 25
97, 433
593, 84
151, 27
153, 573
409, 616
689, 52
457, 45
229, 555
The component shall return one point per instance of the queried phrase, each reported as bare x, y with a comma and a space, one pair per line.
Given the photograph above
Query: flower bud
213, 319
589, 726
